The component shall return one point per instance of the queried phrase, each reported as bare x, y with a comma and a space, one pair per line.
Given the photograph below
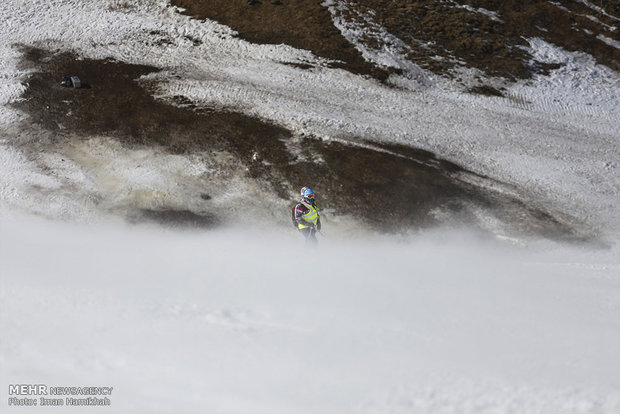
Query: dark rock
71, 82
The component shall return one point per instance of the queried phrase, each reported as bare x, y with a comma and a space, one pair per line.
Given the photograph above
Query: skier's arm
299, 211
294, 216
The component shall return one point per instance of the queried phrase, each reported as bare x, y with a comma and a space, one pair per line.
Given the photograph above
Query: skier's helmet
303, 190
308, 195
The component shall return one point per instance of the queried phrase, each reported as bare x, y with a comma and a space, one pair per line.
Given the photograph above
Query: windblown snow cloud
251, 322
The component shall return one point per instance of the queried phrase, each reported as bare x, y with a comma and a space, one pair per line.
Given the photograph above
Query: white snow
611, 42
26, 186
189, 322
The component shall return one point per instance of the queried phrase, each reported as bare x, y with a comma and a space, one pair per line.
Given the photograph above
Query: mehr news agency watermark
40, 395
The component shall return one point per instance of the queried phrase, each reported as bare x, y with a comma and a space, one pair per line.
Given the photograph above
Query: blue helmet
308, 195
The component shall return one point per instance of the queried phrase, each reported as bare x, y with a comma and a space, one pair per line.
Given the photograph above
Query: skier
305, 216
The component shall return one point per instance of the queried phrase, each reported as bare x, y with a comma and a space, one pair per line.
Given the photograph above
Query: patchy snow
191, 322
559, 6
607, 40
597, 9
490, 14
392, 51
554, 138
596, 20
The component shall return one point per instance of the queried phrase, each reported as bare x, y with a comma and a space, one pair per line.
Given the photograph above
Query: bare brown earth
433, 28
299, 23
441, 36
390, 188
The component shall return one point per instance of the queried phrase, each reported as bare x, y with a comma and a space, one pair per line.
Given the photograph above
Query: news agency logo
27, 389
32, 395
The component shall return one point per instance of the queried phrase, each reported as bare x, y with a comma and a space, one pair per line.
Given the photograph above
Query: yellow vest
312, 216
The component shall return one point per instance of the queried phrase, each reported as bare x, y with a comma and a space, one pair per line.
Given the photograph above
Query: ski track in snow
555, 137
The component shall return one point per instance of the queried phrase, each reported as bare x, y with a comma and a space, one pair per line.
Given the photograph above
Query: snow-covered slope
554, 138
217, 323
247, 321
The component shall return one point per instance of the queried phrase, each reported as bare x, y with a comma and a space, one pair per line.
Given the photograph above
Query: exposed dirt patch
299, 23
490, 34
485, 34
175, 218
486, 90
389, 187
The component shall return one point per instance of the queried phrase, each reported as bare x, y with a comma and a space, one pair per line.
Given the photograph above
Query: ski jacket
306, 215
